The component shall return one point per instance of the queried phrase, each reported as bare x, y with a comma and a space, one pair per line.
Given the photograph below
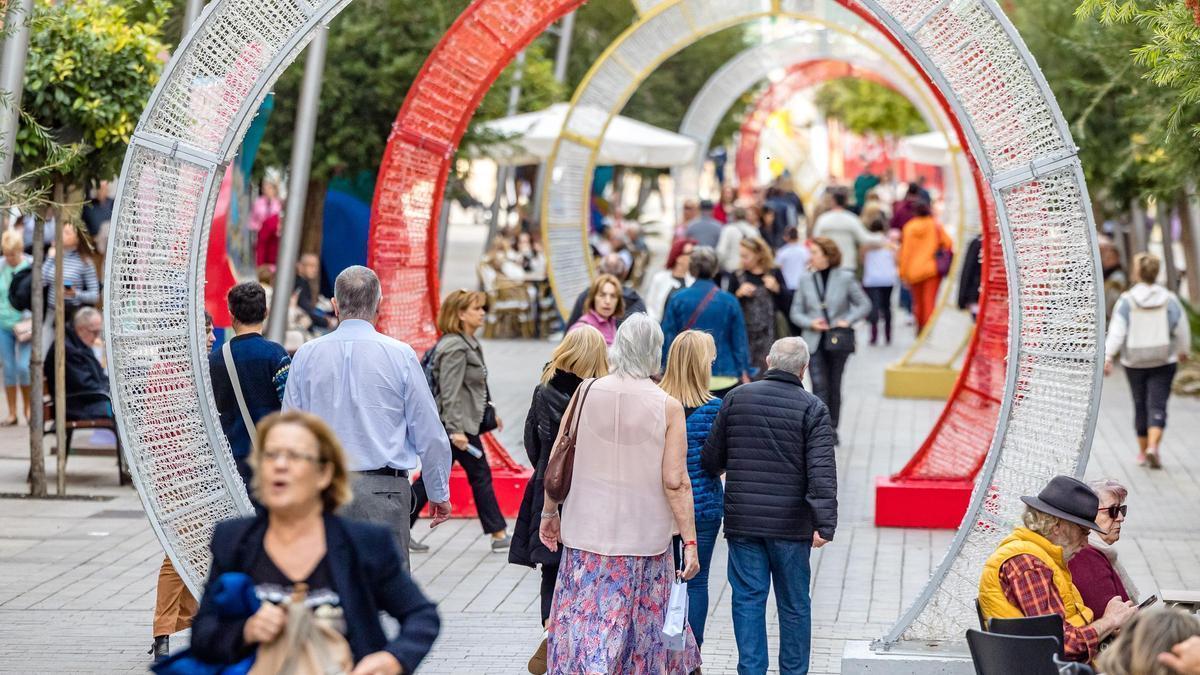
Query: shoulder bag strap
821, 296
231, 367
712, 293
572, 419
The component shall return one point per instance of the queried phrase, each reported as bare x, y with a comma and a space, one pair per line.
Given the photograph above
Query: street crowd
660, 419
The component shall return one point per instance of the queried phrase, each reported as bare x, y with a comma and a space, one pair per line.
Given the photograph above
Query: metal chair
1049, 625
997, 654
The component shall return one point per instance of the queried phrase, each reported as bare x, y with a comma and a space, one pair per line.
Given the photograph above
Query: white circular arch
1023, 148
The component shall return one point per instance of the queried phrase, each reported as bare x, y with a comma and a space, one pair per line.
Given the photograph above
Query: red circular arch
799, 77
431, 122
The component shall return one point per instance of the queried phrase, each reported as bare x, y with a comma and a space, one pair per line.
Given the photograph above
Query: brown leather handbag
561, 467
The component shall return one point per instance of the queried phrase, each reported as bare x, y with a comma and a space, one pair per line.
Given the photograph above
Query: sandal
1141, 458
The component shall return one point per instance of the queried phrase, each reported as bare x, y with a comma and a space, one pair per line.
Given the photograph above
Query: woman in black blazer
581, 355
351, 569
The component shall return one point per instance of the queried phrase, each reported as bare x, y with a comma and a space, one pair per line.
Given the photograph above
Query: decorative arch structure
1022, 151
223, 69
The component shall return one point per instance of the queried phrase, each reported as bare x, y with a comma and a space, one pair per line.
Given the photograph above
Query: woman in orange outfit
920, 242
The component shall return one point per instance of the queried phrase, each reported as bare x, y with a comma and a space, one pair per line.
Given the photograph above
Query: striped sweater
79, 274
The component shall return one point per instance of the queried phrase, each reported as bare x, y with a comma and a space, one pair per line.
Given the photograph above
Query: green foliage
868, 108
376, 49
91, 67
1158, 45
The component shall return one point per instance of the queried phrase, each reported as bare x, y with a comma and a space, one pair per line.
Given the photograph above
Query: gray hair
789, 354
1111, 486
357, 293
84, 315
613, 264
1040, 522
703, 263
637, 350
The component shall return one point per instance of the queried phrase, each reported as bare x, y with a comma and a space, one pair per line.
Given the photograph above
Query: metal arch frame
1002, 171
399, 183
744, 71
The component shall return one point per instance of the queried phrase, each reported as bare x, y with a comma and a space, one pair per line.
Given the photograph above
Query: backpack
1148, 342
20, 290
428, 362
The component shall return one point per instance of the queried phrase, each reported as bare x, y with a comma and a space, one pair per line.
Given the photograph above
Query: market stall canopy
529, 139
929, 148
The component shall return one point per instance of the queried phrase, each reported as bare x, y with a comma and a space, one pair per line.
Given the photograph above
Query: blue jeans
706, 541
16, 360
754, 564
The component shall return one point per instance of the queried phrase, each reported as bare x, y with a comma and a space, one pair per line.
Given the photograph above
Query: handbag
942, 259
23, 330
836, 339
675, 623
488, 422
561, 467
309, 645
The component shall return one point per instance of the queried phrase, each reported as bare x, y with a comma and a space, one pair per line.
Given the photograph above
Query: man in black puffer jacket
774, 443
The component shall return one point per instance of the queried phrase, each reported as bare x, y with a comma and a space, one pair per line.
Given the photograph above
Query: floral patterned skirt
608, 616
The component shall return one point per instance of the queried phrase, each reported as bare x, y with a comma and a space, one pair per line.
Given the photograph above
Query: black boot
161, 648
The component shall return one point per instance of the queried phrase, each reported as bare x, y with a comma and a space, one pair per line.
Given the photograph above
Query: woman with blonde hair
686, 379
1150, 634
581, 355
15, 327
603, 307
344, 572
764, 295
465, 404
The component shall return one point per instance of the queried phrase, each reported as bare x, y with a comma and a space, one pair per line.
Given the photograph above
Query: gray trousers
383, 500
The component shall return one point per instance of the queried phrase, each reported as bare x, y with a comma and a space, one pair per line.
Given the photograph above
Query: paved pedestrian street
77, 576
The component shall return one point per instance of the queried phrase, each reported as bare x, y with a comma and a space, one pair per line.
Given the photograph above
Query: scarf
1111, 553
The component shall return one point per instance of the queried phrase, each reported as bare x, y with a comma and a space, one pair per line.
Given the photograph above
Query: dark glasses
1114, 511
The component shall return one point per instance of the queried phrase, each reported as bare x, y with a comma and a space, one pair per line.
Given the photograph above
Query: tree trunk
60, 356
1189, 211
37, 425
314, 217
1137, 231
1162, 212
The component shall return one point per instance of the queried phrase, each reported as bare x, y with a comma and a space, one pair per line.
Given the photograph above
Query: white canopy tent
929, 148
531, 137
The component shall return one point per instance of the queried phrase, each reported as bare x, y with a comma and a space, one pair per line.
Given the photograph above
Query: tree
376, 49
868, 108
91, 67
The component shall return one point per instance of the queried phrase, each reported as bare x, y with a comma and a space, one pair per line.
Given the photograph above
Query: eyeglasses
1115, 510
291, 456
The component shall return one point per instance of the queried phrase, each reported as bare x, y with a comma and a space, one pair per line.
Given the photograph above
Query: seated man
1027, 575
87, 384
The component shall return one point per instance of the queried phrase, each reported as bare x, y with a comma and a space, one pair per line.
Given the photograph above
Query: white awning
627, 142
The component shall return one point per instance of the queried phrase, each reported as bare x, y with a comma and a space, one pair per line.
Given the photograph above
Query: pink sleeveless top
617, 504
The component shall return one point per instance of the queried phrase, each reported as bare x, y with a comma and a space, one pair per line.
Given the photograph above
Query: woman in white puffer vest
1149, 331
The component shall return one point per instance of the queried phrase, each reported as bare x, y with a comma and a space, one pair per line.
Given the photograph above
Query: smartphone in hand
1148, 601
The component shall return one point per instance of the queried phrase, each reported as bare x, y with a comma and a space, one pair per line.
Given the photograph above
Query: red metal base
921, 503
508, 480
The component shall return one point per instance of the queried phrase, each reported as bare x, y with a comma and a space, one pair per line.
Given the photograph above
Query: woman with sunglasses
1095, 569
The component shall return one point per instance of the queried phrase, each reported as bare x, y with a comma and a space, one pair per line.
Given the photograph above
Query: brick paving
77, 576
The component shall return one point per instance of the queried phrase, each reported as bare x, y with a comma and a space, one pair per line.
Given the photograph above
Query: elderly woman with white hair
1095, 569
629, 494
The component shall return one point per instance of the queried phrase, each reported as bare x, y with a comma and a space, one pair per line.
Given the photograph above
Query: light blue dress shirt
371, 390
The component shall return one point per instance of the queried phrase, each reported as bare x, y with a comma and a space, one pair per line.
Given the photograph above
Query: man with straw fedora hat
1027, 575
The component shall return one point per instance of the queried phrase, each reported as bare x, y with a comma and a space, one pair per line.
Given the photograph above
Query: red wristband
689, 543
